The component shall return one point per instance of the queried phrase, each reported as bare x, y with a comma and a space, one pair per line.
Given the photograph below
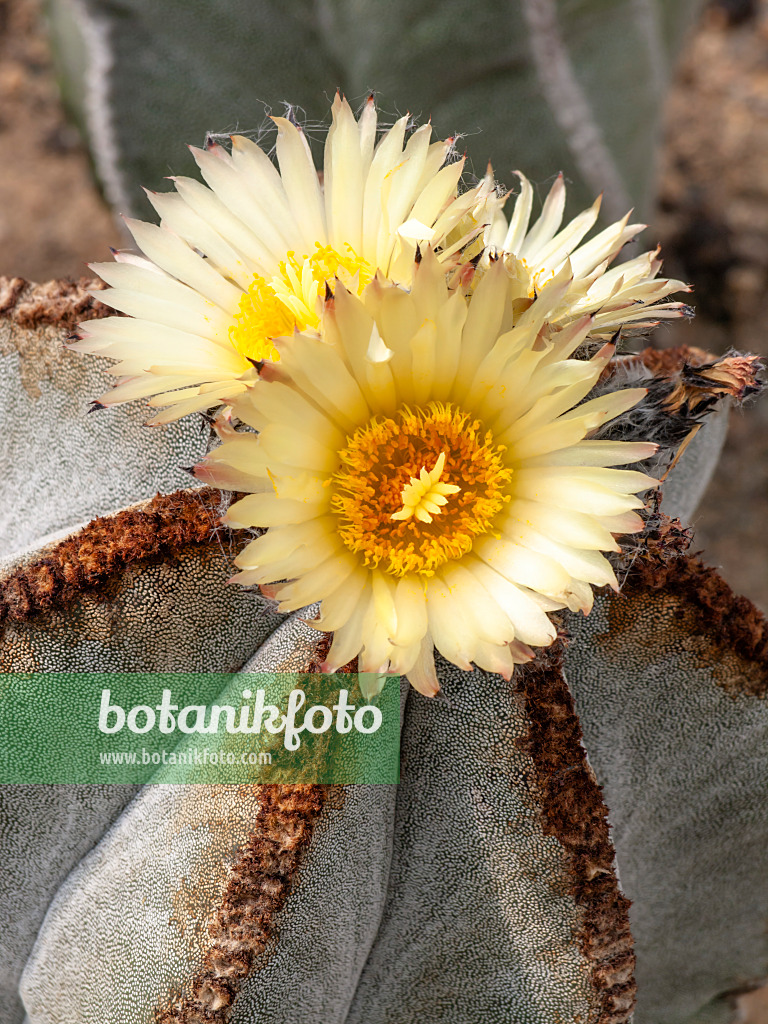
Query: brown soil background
712, 221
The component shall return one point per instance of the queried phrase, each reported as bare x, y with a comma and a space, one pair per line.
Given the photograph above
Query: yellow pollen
289, 302
394, 512
327, 264
424, 495
261, 317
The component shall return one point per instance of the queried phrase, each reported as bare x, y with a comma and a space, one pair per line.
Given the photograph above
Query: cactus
583, 842
575, 87
488, 884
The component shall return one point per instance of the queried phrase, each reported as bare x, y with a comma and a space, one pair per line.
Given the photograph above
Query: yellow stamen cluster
273, 309
377, 479
261, 317
327, 264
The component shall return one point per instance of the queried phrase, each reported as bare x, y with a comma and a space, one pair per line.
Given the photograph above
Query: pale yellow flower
628, 296
425, 472
235, 265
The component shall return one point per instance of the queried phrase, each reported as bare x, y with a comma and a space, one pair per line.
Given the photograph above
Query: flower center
289, 301
397, 514
424, 495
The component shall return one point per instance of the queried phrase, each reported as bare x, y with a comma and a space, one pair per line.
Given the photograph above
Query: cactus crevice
573, 810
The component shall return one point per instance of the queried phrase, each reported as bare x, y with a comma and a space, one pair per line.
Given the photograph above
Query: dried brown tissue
35, 320
60, 303
92, 559
702, 598
245, 924
259, 883
696, 378
573, 811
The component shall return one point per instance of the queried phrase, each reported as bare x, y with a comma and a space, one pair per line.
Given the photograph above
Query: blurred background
661, 103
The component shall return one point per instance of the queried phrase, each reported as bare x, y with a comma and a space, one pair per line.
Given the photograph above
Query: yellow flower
627, 296
248, 258
425, 473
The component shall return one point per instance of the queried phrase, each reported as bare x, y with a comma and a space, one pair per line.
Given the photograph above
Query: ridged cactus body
485, 885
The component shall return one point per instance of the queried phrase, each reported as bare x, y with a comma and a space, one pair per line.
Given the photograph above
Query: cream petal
320, 372
565, 241
177, 216
317, 583
628, 522
294, 447
131, 280
168, 251
377, 649
567, 339
576, 529
588, 566
570, 493
217, 383
300, 486
423, 676
403, 659
269, 510
386, 156
411, 611
338, 607
607, 407
596, 453
424, 357
482, 326
281, 541
525, 382
300, 180
622, 481
603, 246
530, 622
383, 588
348, 324
549, 407
263, 179
198, 215
580, 597
276, 403
543, 231
399, 188
398, 320
241, 450
451, 319
438, 193
518, 223
229, 479
139, 387
212, 323
251, 210
495, 658
476, 606
367, 132
343, 179
300, 561
450, 634
520, 565
553, 437
115, 331
206, 401
347, 640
